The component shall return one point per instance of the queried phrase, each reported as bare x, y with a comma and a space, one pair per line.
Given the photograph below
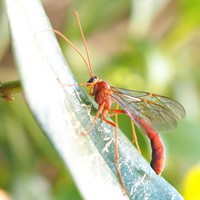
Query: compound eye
92, 80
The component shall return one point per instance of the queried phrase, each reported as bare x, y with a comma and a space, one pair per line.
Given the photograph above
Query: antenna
87, 62
85, 45
70, 43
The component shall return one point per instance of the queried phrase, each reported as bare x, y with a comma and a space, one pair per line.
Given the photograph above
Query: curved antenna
75, 48
85, 45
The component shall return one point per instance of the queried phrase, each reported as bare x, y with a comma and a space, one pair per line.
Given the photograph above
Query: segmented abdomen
158, 152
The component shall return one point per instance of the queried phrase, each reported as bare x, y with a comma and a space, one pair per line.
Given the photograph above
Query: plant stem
9, 88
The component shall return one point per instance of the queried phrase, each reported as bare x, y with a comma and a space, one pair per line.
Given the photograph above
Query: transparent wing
160, 112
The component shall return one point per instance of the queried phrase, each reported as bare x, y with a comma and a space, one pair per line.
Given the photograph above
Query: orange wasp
152, 113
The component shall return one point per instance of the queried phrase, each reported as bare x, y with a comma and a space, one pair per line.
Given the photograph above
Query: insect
152, 113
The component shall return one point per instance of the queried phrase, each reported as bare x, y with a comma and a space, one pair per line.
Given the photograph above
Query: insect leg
115, 113
135, 137
117, 152
115, 125
100, 108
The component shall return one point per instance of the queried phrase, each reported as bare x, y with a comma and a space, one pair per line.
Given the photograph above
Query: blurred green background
142, 45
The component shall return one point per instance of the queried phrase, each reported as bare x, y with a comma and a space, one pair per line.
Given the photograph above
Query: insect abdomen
158, 152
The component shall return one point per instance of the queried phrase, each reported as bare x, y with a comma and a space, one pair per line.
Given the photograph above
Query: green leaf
63, 112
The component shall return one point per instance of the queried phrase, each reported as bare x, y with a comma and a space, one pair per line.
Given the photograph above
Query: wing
160, 112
